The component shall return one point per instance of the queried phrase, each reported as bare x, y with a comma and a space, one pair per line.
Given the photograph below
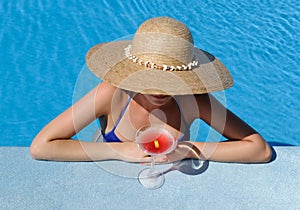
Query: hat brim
109, 62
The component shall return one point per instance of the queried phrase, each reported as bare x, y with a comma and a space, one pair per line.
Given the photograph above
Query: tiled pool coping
30, 184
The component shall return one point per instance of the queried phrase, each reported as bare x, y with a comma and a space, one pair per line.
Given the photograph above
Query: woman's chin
159, 100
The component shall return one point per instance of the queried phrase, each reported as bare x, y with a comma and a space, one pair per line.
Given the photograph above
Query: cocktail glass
154, 140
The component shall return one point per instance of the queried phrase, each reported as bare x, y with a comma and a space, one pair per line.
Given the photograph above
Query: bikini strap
181, 113
122, 113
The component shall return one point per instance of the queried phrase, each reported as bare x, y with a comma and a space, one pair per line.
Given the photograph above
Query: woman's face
158, 100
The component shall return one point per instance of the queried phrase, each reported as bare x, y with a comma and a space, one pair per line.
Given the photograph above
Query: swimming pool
43, 47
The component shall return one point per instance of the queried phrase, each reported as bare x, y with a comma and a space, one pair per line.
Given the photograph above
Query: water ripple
43, 45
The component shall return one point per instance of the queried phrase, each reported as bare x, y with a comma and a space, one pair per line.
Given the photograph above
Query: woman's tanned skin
54, 141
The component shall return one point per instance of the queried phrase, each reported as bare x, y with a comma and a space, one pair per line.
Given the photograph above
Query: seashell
178, 68
165, 67
160, 67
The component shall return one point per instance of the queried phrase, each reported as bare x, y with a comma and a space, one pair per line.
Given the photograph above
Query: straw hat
161, 59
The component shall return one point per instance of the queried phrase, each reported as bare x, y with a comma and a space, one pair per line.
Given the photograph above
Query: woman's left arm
244, 144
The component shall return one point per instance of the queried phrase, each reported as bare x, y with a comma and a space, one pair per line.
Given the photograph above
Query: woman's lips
159, 96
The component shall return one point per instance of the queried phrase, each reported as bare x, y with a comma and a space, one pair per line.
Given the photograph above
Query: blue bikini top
111, 136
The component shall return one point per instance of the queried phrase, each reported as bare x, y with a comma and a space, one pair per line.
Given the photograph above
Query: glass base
151, 179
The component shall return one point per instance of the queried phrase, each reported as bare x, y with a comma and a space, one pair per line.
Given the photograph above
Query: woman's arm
244, 143
54, 141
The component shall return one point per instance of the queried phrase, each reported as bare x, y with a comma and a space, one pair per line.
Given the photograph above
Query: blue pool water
43, 46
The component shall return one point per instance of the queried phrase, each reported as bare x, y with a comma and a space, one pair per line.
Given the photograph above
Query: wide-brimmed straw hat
161, 59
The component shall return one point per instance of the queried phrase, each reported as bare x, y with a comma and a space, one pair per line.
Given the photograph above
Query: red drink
155, 140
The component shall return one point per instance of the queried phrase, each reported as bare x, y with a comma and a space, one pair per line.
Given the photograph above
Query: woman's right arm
54, 141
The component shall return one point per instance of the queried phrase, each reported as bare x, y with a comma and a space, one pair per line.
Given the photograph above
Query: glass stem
152, 163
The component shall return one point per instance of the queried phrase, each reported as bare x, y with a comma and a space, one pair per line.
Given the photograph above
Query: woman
158, 77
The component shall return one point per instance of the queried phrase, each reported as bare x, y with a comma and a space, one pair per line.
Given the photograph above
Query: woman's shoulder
106, 88
111, 96
192, 105
108, 92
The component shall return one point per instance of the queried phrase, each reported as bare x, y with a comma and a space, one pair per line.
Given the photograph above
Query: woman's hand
129, 152
184, 150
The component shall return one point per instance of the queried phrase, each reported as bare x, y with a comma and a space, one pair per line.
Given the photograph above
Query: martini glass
154, 140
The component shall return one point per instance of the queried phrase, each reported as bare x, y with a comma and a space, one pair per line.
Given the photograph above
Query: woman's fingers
184, 150
161, 159
130, 152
